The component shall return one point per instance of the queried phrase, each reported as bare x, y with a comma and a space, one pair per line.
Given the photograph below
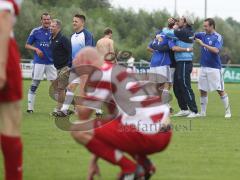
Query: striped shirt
136, 105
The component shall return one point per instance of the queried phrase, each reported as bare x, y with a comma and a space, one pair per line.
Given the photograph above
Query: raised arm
169, 33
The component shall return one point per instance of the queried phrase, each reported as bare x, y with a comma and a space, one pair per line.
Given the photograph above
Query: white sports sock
99, 111
68, 100
165, 98
31, 101
225, 101
204, 102
56, 96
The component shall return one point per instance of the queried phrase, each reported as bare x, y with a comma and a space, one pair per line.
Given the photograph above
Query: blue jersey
210, 59
40, 37
183, 40
159, 58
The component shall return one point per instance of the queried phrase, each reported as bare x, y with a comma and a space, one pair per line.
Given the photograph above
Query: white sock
165, 96
68, 100
56, 96
204, 102
99, 111
225, 101
31, 101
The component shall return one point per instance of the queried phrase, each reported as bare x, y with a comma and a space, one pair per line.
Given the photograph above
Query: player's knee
203, 93
71, 87
221, 93
34, 86
80, 137
12, 120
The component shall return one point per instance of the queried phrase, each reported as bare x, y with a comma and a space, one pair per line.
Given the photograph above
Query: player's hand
39, 52
190, 49
199, 41
93, 170
3, 77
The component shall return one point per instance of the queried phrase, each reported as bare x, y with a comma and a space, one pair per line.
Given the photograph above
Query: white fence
231, 72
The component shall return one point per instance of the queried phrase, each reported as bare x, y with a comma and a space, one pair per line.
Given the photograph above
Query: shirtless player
105, 45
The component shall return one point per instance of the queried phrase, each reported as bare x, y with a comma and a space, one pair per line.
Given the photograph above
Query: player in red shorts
10, 92
139, 127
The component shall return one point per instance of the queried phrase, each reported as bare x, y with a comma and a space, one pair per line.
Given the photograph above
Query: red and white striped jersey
11, 5
135, 105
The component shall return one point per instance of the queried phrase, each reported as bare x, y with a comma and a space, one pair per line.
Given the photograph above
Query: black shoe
61, 114
149, 168
70, 112
29, 111
54, 113
99, 114
139, 174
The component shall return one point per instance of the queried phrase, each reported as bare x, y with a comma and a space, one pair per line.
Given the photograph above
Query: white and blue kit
210, 78
79, 40
160, 60
40, 38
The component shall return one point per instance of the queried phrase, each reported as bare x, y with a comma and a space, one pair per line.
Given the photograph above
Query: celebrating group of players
172, 58
138, 123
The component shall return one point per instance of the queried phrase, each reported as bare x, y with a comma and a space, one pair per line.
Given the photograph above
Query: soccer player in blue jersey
160, 61
39, 42
211, 78
80, 39
182, 45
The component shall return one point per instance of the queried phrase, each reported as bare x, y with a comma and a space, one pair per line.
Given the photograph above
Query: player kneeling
139, 125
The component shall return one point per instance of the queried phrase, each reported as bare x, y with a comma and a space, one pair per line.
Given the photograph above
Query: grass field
203, 149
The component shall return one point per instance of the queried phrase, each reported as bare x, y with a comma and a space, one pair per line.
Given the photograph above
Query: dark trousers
182, 86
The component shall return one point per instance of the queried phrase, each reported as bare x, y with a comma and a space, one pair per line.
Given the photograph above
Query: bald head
87, 56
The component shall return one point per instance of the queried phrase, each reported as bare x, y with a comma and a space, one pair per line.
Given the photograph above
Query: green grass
208, 150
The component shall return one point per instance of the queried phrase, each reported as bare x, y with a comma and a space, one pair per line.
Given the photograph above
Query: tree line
132, 31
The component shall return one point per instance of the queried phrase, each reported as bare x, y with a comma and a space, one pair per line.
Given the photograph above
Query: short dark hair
211, 22
80, 16
45, 14
107, 31
171, 25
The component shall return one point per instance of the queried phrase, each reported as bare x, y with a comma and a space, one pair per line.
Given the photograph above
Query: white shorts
39, 70
163, 71
210, 79
172, 71
74, 78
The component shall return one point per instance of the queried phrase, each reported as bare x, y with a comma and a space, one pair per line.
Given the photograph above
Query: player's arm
198, 35
29, 45
214, 49
172, 45
170, 33
93, 168
180, 49
150, 47
6, 24
67, 46
111, 46
162, 48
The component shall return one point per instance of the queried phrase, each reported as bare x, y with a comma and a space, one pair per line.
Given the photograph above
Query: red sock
12, 153
107, 153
